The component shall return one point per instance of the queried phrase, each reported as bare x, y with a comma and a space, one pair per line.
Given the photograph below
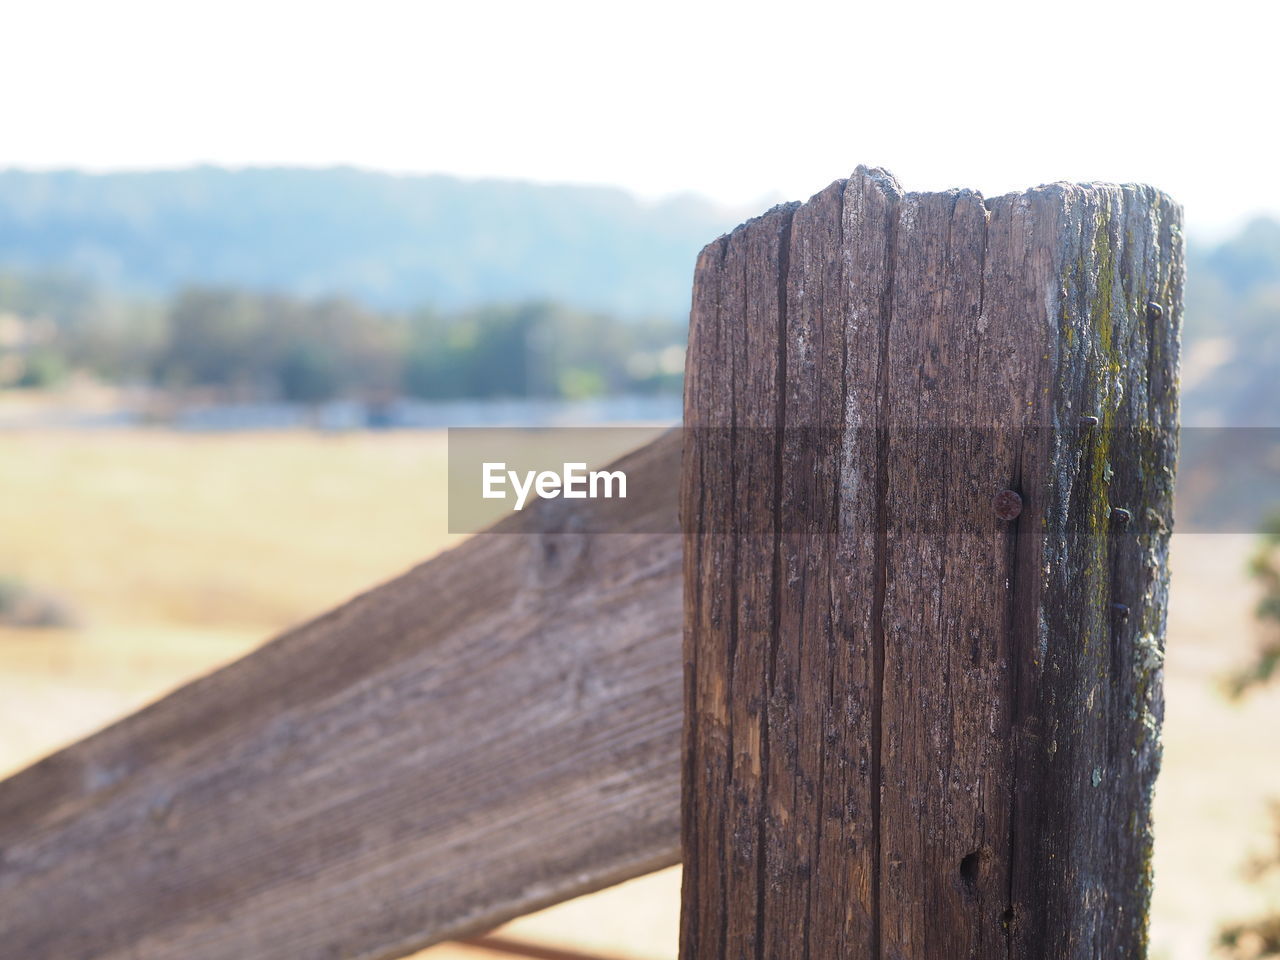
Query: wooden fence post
928, 469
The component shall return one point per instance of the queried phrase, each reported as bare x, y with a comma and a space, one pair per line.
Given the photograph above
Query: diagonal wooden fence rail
495, 731
925, 498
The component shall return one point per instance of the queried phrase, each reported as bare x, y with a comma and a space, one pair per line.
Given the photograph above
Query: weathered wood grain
916, 729
493, 732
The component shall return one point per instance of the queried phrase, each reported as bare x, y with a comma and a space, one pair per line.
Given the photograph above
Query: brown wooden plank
944, 614
494, 731
919, 728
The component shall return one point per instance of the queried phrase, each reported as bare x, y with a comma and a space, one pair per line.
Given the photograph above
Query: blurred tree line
220, 338
242, 345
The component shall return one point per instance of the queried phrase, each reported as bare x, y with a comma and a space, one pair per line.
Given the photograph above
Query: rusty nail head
1007, 504
1154, 310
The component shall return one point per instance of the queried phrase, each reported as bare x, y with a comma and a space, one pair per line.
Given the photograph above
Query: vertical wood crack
880, 584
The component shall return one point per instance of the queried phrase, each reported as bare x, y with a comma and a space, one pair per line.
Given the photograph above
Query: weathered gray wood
917, 728
493, 732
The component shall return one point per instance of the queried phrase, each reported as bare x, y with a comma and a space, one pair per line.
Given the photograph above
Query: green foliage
536, 350
1259, 938
309, 373
490, 352
215, 338
56, 322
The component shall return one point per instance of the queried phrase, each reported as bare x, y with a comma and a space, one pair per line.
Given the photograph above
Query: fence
925, 501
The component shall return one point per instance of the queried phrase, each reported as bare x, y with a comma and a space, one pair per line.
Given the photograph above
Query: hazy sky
738, 101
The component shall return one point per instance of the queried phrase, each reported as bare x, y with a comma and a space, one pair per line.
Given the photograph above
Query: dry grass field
177, 552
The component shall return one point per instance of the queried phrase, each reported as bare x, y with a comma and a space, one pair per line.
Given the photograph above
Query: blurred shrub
40, 369
20, 606
1259, 938
1264, 568
1255, 940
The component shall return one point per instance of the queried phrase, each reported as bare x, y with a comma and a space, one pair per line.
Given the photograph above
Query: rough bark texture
915, 729
493, 732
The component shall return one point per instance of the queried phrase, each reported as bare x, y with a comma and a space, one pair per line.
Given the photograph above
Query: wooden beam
495, 731
921, 724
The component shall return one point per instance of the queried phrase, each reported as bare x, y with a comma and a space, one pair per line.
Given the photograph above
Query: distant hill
389, 241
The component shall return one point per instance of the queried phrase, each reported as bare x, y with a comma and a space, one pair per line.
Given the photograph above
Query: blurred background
254, 257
